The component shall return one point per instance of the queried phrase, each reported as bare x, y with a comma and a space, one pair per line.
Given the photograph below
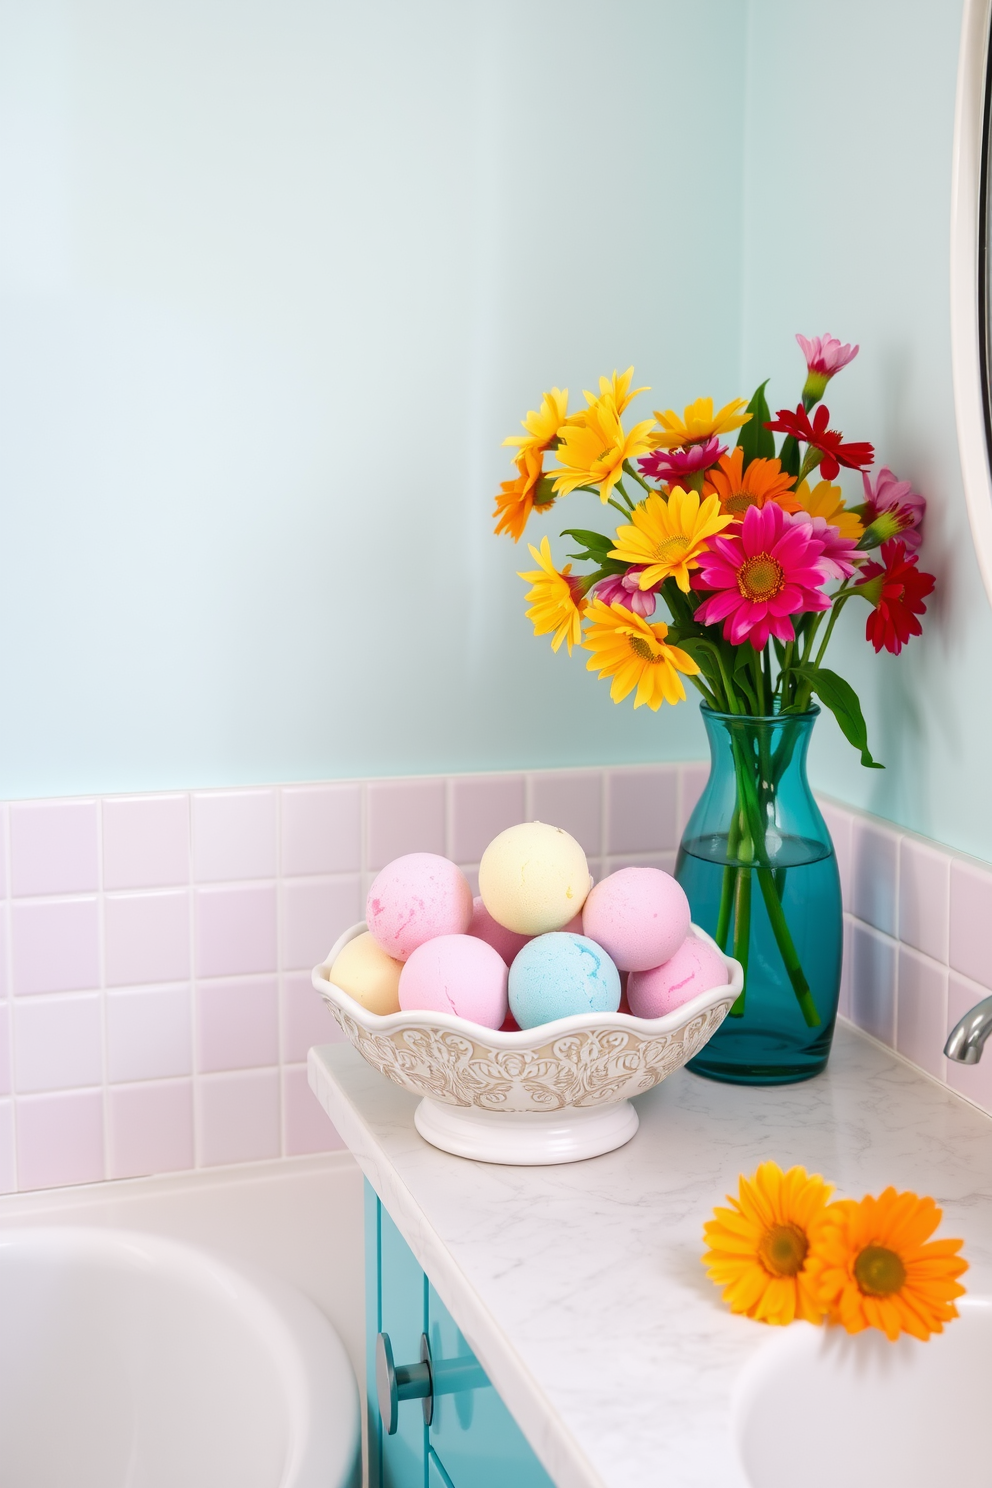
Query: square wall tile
971, 1080
239, 1117
572, 800
55, 947
482, 806
404, 816
844, 1000
237, 1023
8, 1160
321, 829
970, 921
145, 842
308, 1127
838, 822
921, 1019
315, 911
306, 1019
4, 837
692, 783
642, 809
54, 847
924, 890
151, 1128
874, 864
60, 1139
146, 937
234, 835
6, 1053
58, 1043
664, 860
149, 1033
4, 938
236, 931
873, 983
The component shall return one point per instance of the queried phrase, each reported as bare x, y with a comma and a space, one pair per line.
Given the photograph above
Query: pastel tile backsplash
155, 951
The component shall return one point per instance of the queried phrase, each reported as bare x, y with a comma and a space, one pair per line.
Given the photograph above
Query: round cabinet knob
397, 1382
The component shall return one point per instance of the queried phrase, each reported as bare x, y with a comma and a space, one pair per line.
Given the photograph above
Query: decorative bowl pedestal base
526, 1139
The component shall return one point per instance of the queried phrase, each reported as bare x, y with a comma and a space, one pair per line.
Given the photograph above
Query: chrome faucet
967, 1038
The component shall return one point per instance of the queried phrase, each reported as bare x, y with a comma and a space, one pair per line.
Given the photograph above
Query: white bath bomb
534, 878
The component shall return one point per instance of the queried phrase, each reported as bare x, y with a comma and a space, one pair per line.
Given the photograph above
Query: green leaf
596, 547
842, 700
700, 651
754, 439
789, 456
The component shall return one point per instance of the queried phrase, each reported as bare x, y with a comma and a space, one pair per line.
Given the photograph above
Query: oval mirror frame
971, 293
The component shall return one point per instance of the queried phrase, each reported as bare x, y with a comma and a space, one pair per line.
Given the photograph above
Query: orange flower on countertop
759, 1250
737, 488
518, 498
875, 1266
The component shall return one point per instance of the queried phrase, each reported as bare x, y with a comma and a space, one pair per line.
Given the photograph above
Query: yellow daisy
760, 1250
825, 500
542, 427
875, 1266
698, 423
635, 654
668, 536
593, 452
556, 600
517, 498
616, 390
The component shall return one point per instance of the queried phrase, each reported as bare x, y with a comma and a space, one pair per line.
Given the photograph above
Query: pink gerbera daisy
676, 467
762, 576
838, 559
625, 589
903, 508
825, 356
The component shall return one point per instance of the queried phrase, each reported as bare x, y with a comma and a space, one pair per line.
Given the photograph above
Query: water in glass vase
759, 870
771, 1042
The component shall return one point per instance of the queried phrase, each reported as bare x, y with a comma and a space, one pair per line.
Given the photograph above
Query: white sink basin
821, 1408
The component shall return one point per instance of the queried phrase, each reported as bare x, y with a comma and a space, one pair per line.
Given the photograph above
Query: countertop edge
547, 1434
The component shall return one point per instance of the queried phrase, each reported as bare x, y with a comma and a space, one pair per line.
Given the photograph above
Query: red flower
830, 442
897, 590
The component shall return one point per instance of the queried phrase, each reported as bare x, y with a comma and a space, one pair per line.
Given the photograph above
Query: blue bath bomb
557, 975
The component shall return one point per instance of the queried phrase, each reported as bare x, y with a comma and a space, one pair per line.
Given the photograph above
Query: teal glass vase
758, 866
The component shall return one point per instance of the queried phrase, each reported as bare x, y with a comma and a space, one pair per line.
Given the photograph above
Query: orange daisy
518, 497
760, 1249
874, 1266
737, 488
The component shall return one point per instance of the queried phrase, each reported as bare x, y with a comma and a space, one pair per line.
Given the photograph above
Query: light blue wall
849, 127
277, 276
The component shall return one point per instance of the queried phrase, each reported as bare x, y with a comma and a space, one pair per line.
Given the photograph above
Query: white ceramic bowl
552, 1093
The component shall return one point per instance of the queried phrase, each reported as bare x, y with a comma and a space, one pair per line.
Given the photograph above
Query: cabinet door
477, 1441
396, 1303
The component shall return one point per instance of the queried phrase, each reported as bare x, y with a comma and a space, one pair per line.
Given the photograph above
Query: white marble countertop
580, 1287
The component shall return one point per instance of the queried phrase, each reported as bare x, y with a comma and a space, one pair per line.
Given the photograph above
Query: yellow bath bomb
533, 878
366, 973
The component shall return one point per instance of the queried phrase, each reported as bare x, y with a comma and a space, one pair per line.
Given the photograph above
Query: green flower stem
742, 933
732, 706
748, 796
787, 948
631, 470
623, 493
727, 886
617, 507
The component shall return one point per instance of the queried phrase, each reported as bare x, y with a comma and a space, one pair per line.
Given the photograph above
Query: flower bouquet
754, 553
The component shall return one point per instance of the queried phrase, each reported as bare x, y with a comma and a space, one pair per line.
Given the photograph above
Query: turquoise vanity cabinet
472, 1441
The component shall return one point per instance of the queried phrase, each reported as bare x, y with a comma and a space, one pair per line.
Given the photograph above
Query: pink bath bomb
482, 924
640, 916
415, 898
696, 967
457, 974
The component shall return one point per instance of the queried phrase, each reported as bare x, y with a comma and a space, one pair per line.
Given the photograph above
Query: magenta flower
767, 573
825, 356
903, 507
623, 589
837, 559
677, 467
